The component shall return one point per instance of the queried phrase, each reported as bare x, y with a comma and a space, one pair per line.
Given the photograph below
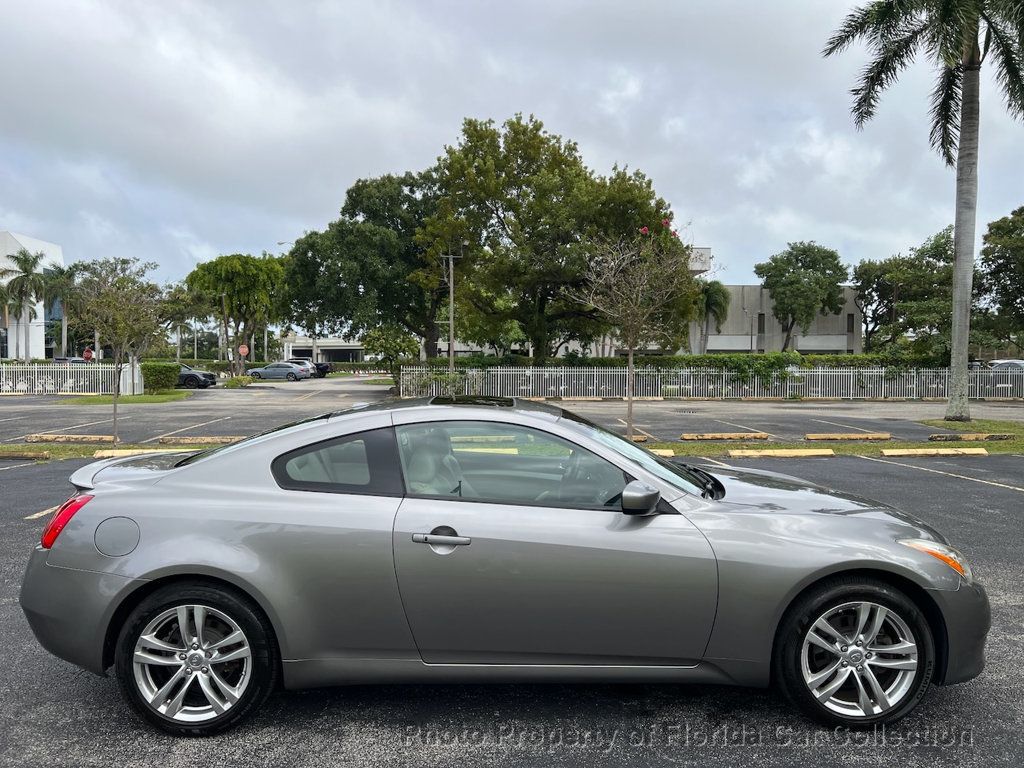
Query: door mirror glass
639, 498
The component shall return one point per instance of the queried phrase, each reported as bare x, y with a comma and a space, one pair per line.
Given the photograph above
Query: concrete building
328, 350
12, 334
751, 327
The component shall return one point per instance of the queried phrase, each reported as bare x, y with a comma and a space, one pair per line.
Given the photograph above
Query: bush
238, 382
159, 376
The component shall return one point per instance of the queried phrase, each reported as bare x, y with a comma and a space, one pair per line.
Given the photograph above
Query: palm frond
878, 22
947, 30
945, 112
856, 25
1009, 65
891, 58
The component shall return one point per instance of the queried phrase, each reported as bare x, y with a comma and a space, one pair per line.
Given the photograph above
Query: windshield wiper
711, 484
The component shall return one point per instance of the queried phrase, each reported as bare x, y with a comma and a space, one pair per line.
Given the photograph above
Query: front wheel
195, 660
854, 652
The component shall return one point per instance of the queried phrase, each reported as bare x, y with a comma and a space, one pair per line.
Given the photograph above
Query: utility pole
224, 318
451, 313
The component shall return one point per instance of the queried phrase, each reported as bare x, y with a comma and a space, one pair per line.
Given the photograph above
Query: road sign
87, 354
243, 349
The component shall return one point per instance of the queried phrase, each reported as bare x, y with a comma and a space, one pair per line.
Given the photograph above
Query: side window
363, 463
505, 464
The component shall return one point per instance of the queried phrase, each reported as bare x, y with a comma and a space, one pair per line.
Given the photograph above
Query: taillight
61, 518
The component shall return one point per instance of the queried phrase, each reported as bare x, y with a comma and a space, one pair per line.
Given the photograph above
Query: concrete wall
11, 243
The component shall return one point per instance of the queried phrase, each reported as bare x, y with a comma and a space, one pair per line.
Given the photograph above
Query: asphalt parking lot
54, 714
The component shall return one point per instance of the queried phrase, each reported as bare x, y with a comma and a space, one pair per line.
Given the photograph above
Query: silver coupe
479, 540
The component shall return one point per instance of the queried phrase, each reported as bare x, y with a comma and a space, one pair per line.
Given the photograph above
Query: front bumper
967, 617
69, 610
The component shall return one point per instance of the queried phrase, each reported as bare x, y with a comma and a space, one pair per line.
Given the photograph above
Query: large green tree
516, 202
958, 36
25, 286
246, 287
1002, 259
803, 280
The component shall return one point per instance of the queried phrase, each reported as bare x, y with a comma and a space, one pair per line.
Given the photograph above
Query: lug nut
859, 643
869, 655
206, 670
181, 656
844, 649
188, 671
195, 646
846, 663
860, 668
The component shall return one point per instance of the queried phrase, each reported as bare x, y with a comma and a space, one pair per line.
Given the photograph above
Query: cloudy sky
175, 131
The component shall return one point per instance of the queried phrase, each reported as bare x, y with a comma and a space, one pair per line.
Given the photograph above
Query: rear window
364, 463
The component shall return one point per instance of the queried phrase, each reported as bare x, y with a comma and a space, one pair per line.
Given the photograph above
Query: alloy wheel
192, 663
859, 659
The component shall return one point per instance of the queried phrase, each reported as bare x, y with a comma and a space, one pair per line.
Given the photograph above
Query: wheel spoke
902, 648
863, 700
142, 657
823, 625
893, 663
863, 614
199, 617
174, 705
186, 633
154, 643
238, 653
819, 677
234, 637
825, 692
231, 693
877, 692
876, 624
160, 696
211, 695
815, 639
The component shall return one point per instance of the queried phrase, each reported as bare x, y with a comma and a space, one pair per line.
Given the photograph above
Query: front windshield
675, 474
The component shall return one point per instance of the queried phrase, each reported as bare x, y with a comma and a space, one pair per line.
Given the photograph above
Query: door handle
437, 540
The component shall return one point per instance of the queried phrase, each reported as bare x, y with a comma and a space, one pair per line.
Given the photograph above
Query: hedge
159, 376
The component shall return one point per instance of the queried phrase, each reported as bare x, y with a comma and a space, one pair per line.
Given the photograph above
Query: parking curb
212, 440
893, 452
782, 453
969, 437
848, 436
45, 438
723, 436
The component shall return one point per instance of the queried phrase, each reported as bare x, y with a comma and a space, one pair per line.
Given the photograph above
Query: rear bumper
69, 610
968, 618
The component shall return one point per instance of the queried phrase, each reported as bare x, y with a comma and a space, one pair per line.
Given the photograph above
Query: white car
307, 365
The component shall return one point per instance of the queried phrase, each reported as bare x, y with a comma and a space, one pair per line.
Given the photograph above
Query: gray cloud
176, 131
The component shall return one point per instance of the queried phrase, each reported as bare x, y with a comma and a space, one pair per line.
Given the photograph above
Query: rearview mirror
639, 498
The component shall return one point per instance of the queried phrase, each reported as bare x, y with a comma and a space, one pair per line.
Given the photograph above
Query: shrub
238, 382
159, 376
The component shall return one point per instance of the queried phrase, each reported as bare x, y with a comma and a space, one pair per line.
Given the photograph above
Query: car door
275, 371
510, 548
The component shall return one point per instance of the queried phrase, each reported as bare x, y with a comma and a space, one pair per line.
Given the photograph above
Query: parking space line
15, 466
58, 429
37, 515
13, 418
947, 474
635, 427
306, 397
714, 461
185, 429
845, 426
742, 426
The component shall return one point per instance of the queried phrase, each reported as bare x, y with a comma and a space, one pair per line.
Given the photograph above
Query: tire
291, 377
255, 374
239, 684
191, 382
800, 663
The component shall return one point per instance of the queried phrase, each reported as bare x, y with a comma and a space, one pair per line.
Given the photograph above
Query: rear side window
364, 463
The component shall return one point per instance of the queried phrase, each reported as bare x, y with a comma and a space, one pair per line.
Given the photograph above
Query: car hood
783, 494
150, 466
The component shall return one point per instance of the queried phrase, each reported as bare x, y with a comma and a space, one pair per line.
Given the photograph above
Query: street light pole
451, 313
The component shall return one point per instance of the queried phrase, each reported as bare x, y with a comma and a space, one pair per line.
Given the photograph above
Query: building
328, 349
12, 334
751, 327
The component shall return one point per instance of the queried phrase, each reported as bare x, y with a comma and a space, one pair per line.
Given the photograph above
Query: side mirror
639, 498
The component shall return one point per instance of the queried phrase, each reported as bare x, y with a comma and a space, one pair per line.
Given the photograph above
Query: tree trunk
958, 408
63, 334
707, 333
789, 335
177, 342
430, 340
195, 342
26, 319
629, 394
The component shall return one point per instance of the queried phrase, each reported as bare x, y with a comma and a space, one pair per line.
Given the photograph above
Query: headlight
948, 555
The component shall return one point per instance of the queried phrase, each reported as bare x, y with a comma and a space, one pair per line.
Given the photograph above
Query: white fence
66, 378
706, 383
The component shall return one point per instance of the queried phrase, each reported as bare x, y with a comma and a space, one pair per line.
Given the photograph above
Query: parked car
488, 539
306, 364
1007, 365
320, 370
193, 378
70, 360
289, 371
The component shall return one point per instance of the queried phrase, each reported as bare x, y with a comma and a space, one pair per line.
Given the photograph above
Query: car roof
452, 405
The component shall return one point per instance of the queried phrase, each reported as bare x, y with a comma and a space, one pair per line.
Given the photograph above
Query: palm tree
958, 36
61, 285
25, 287
713, 302
5, 310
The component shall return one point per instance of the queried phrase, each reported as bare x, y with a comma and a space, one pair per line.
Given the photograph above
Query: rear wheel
191, 382
255, 374
854, 652
195, 660
291, 377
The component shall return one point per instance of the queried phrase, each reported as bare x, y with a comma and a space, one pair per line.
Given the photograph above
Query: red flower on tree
675, 233
644, 230
665, 223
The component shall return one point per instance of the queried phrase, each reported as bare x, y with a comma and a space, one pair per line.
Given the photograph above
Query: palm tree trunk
958, 408
26, 320
177, 344
706, 334
63, 334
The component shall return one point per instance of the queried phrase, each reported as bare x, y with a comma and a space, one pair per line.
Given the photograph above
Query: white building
12, 334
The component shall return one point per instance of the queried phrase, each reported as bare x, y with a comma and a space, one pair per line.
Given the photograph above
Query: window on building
760, 322
850, 320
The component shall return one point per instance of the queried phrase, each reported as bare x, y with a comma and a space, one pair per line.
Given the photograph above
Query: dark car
193, 378
70, 360
320, 370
